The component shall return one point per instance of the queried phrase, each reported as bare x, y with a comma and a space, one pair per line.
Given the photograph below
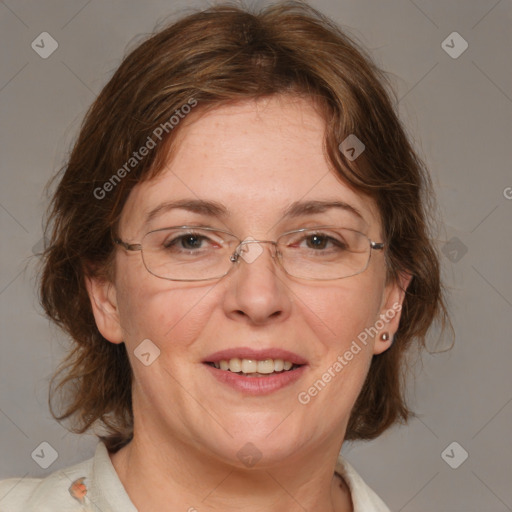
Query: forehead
255, 159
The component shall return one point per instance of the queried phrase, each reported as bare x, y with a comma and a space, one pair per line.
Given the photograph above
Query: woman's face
255, 159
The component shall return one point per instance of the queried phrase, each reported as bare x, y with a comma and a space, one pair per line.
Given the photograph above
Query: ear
390, 312
103, 297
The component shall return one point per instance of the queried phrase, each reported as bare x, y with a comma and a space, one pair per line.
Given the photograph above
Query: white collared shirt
93, 486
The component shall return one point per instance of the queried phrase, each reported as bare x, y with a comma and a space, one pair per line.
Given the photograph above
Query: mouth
256, 372
254, 367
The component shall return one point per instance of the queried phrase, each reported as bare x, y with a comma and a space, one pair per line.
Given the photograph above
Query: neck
159, 474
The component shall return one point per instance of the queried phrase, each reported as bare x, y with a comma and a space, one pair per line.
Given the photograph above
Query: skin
256, 158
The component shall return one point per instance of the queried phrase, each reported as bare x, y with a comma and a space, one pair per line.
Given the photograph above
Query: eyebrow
211, 208
216, 209
299, 208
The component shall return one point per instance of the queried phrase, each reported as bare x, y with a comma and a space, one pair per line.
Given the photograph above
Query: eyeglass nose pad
252, 254
237, 252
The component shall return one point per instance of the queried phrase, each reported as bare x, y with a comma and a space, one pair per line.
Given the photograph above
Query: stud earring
384, 336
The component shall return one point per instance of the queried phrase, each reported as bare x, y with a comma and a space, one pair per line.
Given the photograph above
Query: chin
260, 444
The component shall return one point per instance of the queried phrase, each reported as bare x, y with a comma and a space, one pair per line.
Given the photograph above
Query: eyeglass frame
236, 254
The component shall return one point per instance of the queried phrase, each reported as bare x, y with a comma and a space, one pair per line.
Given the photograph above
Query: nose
250, 252
257, 291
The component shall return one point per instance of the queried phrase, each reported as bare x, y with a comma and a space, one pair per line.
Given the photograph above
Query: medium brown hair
218, 56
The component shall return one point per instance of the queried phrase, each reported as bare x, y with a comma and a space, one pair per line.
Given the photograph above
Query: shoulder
64, 490
364, 498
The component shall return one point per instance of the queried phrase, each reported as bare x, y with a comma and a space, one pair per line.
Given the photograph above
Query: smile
253, 371
253, 367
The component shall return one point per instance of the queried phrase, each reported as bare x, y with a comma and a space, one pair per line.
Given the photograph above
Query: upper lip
251, 353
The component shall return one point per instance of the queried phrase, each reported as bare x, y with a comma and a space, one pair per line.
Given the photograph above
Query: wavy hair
218, 56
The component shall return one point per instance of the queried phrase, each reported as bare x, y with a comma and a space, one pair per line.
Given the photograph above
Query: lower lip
257, 385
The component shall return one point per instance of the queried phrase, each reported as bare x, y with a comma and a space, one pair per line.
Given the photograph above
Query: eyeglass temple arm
377, 245
128, 247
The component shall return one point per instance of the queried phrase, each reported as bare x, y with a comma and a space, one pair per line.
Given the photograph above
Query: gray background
459, 113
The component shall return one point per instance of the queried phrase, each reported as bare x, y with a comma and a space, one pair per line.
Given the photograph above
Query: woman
240, 252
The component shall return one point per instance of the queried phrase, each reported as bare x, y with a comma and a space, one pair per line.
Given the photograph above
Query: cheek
163, 312
338, 314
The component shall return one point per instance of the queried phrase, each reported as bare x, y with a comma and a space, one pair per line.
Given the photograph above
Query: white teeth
249, 366
235, 365
266, 366
278, 365
253, 366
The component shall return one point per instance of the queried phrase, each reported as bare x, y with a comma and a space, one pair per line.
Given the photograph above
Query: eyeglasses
197, 253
